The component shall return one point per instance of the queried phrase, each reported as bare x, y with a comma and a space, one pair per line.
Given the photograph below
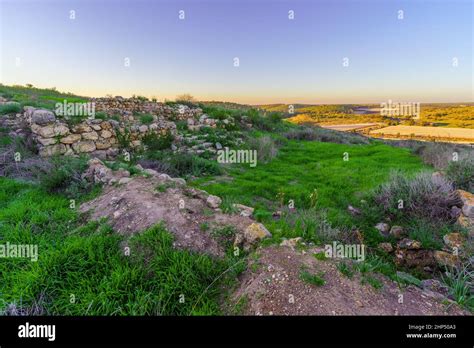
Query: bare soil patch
138, 205
272, 286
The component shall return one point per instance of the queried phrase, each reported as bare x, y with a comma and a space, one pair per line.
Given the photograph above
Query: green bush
146, 118
12, 108
158, 142
124, 139
422, 196
187, 164
325, 135
64, 177
265, 146
461, 173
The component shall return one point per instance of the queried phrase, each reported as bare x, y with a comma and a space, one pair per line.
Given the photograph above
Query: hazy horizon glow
281, 60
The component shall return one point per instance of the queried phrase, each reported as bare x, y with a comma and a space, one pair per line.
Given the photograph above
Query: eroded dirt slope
272, 286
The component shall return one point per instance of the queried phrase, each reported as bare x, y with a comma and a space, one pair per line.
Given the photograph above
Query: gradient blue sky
281, 60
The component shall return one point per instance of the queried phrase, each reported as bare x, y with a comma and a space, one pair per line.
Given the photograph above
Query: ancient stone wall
130, 106
57, 136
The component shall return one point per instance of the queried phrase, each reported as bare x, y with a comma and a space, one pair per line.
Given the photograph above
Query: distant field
460, 134
349, 127
439, 115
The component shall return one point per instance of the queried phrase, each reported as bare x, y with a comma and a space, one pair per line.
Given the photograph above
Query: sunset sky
281, 60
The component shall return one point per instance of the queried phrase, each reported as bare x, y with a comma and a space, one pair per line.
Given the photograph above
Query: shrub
422, 196
265, 146
186, 99
101, 115
325, 135
124, 138
439, 155
460, 282
64, 177
180, 164
158, 142
11, 108
270, 123
187, 164
146, 118
312, 225
461, 173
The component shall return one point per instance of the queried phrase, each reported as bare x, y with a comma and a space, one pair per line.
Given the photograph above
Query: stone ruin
98, 136
57, 135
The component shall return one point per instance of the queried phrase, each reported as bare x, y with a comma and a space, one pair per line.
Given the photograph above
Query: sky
332, 51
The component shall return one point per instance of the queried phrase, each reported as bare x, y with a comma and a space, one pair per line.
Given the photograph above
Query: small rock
383, 228
465, 222
252, 234
455, 212
213, 201
123, 181
151, 172
387, 247
164, 177
409, 244
353, 211
419, 259
397, 232
454, 240
291, 243
244, 210
446, 259
218, 146
179, 181
434, 285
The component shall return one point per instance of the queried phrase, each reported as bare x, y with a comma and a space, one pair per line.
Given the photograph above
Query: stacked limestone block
55, 137
127, 107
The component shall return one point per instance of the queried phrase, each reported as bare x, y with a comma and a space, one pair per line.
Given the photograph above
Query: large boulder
252, 234
444, 259
71, 138
58, 149
84, 146
468, 203
213, 201
454, 240
42, 117
243, 210
44, 132
90, 135
417, 258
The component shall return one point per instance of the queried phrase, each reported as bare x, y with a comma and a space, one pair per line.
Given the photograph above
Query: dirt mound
272, 286
138, 203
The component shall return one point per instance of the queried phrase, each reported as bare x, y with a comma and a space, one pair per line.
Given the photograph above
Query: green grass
83, 270
303, 166
314, 279
38, 97
345, 269
10, 109
146, 119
